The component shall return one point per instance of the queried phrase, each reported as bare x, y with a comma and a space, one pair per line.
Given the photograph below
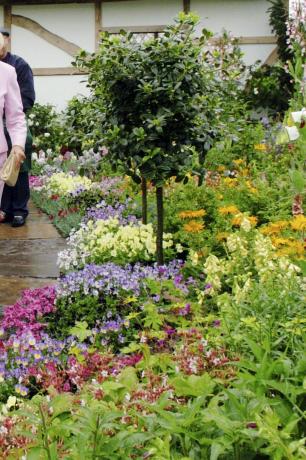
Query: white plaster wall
74, 22
239, 17
58, 90
140, 13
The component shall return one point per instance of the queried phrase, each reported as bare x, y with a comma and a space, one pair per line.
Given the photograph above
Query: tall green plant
152, 93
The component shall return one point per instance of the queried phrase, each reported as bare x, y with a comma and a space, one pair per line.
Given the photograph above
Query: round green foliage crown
152, 94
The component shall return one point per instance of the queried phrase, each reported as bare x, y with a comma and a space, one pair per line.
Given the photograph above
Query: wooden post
186, 6
7, 11
98, 22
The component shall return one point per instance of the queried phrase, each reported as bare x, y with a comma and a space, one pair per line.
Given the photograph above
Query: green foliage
151, 97
59, 212
278, 21
44, 123
82, 120
269, 87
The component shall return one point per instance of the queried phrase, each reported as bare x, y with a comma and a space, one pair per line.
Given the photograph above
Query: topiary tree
153, 93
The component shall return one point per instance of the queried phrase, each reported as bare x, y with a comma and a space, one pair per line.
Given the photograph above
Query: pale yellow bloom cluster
63, 184
107, 240
251, 258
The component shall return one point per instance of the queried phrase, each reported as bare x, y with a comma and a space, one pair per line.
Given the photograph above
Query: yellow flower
192, 214
244, 172
280, 241
230, 182
221, 168
239, 161
274, 227
299, 223
231, 209
251, 187
237, 220
260, 147
253, 220
194, 227
222, 236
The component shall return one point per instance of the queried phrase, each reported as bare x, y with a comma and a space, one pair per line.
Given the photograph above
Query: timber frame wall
72, 49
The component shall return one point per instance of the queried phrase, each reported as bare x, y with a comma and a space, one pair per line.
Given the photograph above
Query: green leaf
193, 385
216, 450
80, 330
36, 453
128, 378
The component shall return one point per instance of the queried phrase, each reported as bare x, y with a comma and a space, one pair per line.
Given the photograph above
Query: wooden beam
186, 6
251, 40
256, 40
98, 22
272, 58
53, 71
50, 37
7, 20
135, 29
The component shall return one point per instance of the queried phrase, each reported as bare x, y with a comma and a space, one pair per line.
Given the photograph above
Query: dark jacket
26, 84
25, 79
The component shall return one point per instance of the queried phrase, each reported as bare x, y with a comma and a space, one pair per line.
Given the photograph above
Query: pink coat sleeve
15, 118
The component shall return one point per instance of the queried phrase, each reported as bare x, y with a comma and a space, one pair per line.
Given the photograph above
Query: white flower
293, 133
47, 134
11, 402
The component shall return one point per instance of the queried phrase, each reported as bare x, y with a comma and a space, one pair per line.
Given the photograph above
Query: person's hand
19, 155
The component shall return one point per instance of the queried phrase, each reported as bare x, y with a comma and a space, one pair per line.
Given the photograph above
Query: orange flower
194, 227
231, 209
192, 214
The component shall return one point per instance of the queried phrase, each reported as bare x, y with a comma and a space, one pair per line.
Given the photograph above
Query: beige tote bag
9, 171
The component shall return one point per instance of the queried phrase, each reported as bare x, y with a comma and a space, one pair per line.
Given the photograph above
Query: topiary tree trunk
144, 199
160, 225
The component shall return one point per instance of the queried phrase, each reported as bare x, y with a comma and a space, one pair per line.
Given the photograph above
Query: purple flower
217, 323
169, 330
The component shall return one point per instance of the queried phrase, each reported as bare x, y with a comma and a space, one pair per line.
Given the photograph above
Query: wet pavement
28, 256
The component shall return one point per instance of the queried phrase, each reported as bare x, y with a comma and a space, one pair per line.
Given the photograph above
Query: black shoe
18, 221
4, 218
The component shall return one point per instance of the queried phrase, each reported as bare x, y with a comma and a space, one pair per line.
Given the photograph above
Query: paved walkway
28, 256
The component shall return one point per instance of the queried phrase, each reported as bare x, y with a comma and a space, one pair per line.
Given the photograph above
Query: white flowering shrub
107, 240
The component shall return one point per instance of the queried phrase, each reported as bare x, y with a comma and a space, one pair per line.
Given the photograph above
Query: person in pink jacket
12, 111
